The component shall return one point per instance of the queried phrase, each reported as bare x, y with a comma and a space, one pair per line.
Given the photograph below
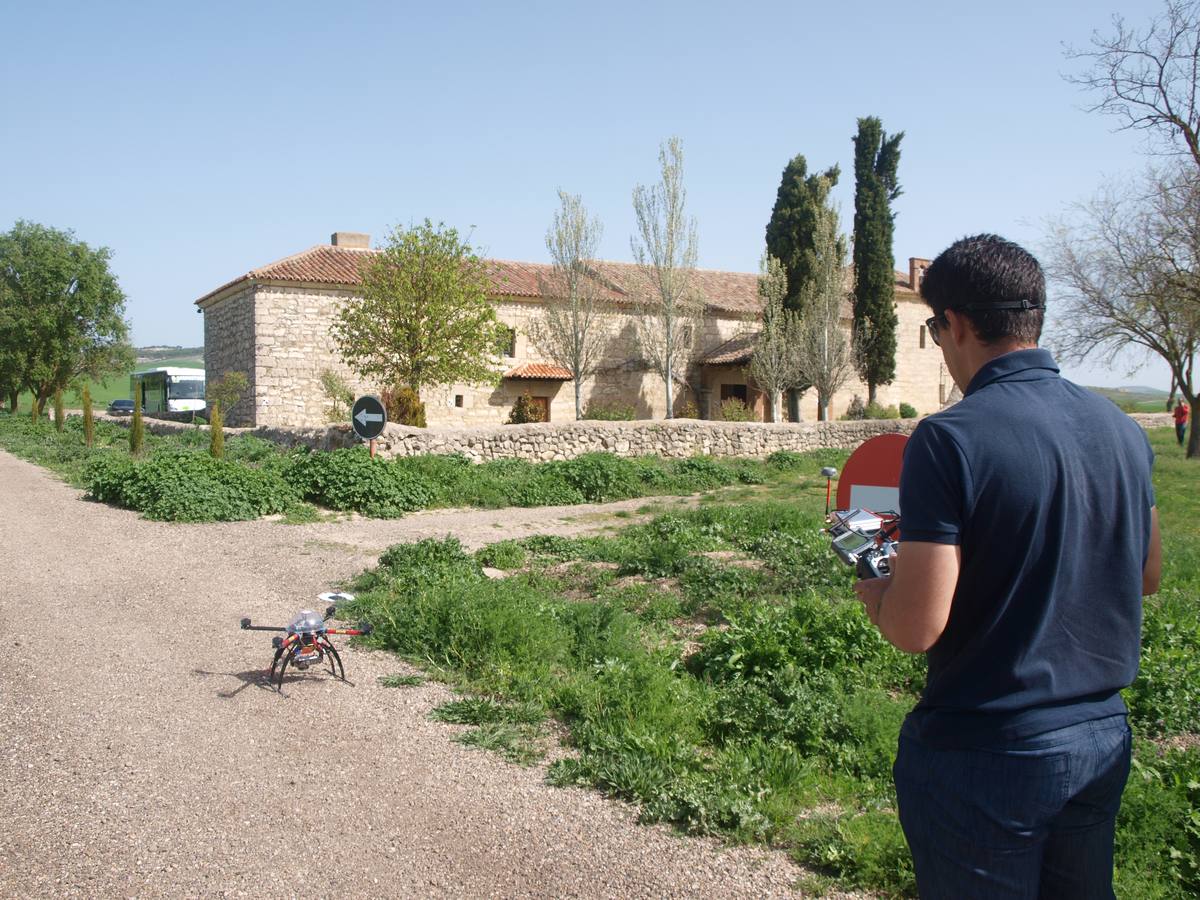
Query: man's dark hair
983, 270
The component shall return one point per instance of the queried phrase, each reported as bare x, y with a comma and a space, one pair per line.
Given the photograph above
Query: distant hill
160, 352
1135, 398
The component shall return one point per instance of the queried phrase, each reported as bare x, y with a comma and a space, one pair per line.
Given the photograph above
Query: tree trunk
1193, 440
871, 389
13, 397
670, 396
822, 407
578, 399
776, 408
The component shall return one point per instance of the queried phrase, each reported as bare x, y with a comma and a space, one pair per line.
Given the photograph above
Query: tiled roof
736, 351
728, 292
539, 370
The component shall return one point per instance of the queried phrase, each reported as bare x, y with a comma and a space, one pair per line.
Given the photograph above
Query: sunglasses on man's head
933, 323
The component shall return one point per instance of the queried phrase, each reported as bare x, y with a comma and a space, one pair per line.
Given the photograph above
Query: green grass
115, 387
712, 667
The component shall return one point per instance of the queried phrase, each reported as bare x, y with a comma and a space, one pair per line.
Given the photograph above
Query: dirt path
140, 753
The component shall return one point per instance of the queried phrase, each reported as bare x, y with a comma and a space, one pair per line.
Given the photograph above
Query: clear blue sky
201, 140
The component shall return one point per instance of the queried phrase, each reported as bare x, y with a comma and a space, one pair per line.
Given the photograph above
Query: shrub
907, 411
186, 486
524, 411
227, 390
59, 416
137, 433
698, 473
609, 411
857, 409
216, 432
404, 406
735, 410
339, 395
505, 555
786, 460
688, 410
349, 479
89, 421
878, 411
600, 477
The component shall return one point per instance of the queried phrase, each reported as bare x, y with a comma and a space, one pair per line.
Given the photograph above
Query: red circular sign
871, 478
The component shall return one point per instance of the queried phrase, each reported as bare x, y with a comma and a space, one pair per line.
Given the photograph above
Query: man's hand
911, 607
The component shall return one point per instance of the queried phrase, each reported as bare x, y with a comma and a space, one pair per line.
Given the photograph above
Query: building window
508, 341
733, 392
458, 400
922, 337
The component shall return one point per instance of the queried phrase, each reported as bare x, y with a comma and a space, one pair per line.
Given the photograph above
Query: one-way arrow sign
368, 417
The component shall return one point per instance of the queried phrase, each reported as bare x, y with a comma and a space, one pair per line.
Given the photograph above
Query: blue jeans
1033, 818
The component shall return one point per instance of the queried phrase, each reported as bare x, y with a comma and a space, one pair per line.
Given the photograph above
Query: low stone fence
548, 441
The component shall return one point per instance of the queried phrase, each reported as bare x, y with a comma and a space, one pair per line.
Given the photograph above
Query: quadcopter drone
861, 538
307, 640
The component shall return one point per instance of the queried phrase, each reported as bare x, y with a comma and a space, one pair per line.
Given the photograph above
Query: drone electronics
863, 538
307, 642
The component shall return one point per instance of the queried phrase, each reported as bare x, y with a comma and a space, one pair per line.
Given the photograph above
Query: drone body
307, 641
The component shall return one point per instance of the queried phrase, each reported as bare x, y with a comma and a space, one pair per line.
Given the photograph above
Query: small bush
216, 432
857, 409
59, 416
404, 406
601, 477
525, 411
338, 395
609, 411
89, 421
735, 410
688, 410
507, 555
350, 480
878, 411
699, 473
908, 411
787, 460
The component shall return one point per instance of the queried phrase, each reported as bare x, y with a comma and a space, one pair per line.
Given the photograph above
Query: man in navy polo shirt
1029, 537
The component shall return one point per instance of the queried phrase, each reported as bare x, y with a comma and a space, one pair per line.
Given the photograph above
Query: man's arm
1152, 572
912, 607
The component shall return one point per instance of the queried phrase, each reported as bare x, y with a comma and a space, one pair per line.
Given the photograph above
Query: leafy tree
62, 312
424, 317
339, 395
826, 358
137, 428
669, 305
571, 329
791, 232
1127, 264
1150, 80
876, 159
775, 363
227, 391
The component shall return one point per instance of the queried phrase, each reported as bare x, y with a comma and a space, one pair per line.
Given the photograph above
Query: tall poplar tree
876, 159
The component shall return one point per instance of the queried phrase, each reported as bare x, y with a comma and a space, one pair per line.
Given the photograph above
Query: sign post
367, 418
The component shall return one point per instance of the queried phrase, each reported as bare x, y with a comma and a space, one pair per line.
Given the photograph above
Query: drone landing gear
286, 652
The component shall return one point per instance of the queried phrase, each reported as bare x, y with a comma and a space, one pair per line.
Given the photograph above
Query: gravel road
142, 755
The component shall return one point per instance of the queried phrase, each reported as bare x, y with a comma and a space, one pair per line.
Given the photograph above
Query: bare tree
1128, 267
775, 365
669, 306
827, 358
1149, 79
571, 329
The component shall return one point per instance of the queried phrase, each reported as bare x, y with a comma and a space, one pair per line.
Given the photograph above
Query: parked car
122, 408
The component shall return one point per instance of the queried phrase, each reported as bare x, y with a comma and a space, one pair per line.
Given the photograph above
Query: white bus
172, 389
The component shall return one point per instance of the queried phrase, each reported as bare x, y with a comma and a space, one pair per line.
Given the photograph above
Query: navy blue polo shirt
1046, 488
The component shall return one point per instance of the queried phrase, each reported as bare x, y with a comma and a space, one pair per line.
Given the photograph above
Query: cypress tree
59, 415
137, 429
216, 432
876, 159
89, 425
799, 204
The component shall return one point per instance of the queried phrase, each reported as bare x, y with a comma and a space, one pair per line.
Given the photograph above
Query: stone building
273, 324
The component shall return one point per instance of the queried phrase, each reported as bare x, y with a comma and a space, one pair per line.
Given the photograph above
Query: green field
117, 386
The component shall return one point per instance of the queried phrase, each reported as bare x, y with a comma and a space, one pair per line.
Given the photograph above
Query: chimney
916, 271
351, 240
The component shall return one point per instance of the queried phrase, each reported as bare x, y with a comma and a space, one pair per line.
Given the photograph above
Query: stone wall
669, 438
229, 346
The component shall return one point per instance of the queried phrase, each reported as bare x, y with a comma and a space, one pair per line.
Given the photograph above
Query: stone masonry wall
229, 347
672, 438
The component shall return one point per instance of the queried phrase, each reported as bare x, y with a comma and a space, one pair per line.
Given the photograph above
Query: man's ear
960, 325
